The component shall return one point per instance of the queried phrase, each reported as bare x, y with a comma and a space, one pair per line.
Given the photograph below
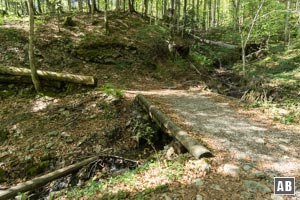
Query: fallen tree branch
190, 143
220, 44
42, 180
27, 80
48, 75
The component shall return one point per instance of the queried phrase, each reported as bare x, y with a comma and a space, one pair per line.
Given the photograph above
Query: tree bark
42, 180
47, 75
34, 75
287, 20
216, 43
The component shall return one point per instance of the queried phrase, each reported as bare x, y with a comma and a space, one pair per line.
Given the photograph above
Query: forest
149, 99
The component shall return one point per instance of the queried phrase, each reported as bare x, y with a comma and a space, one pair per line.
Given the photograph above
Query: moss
2, 175
38, 168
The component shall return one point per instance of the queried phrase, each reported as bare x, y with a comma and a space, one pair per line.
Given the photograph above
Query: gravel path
249, 149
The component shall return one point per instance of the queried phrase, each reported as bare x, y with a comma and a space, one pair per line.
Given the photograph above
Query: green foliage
148, 134
202, 60
109, 89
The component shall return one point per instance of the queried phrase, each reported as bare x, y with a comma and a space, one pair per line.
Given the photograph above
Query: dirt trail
243, 148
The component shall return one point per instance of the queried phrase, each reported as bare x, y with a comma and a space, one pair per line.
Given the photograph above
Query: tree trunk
117, 5
204, 16
184, 17
70, 5
216, 43
34, 76
131, 6
105, 18
80, 6
286, 24
145, 11
42, 180
47, 75
190, 143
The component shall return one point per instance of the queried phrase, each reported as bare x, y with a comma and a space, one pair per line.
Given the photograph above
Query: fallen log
209, 42
190, 143
27, 80
42, 180
48, 75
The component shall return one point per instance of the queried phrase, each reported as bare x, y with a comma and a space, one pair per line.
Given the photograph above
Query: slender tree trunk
70, 5
244, 40
38, 2
34, 76
286, 25
131, 6
145, 6
184, 17
105, 18
117, 5
80, 6
204, 16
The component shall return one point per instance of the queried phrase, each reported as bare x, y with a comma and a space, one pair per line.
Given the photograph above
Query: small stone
65, 135
216, 187
246, 195
260, 175
199, 183
167, 197
253, 186
276, 197
203, 165
92, 116
260, 141
69, 140
247, 167
284, 148
52, 133
199, 197
49, 145
230, 169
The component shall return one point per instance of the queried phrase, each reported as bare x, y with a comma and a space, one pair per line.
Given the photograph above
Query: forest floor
41, 133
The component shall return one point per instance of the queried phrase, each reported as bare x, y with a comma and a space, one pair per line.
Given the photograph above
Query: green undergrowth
279, 74
123, 186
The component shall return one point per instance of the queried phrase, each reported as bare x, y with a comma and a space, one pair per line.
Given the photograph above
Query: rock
247, 167
199, 197
232, 170
170, 153
203, 165
65, 135
52, 133
260, 174
199, 183
260, 141
82, 140
283, 147
247, 195
255, 187
276, 197
69, 140
49, 145
167, 197
216, 187
92, 116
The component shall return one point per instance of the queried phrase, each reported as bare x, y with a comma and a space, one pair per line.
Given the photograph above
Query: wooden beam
190, 143
42, 180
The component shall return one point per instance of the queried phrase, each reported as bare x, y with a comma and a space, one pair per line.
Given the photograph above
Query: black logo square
284, 185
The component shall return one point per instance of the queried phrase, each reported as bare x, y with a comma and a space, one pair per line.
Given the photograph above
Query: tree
245, 36
286, 24
34, 75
